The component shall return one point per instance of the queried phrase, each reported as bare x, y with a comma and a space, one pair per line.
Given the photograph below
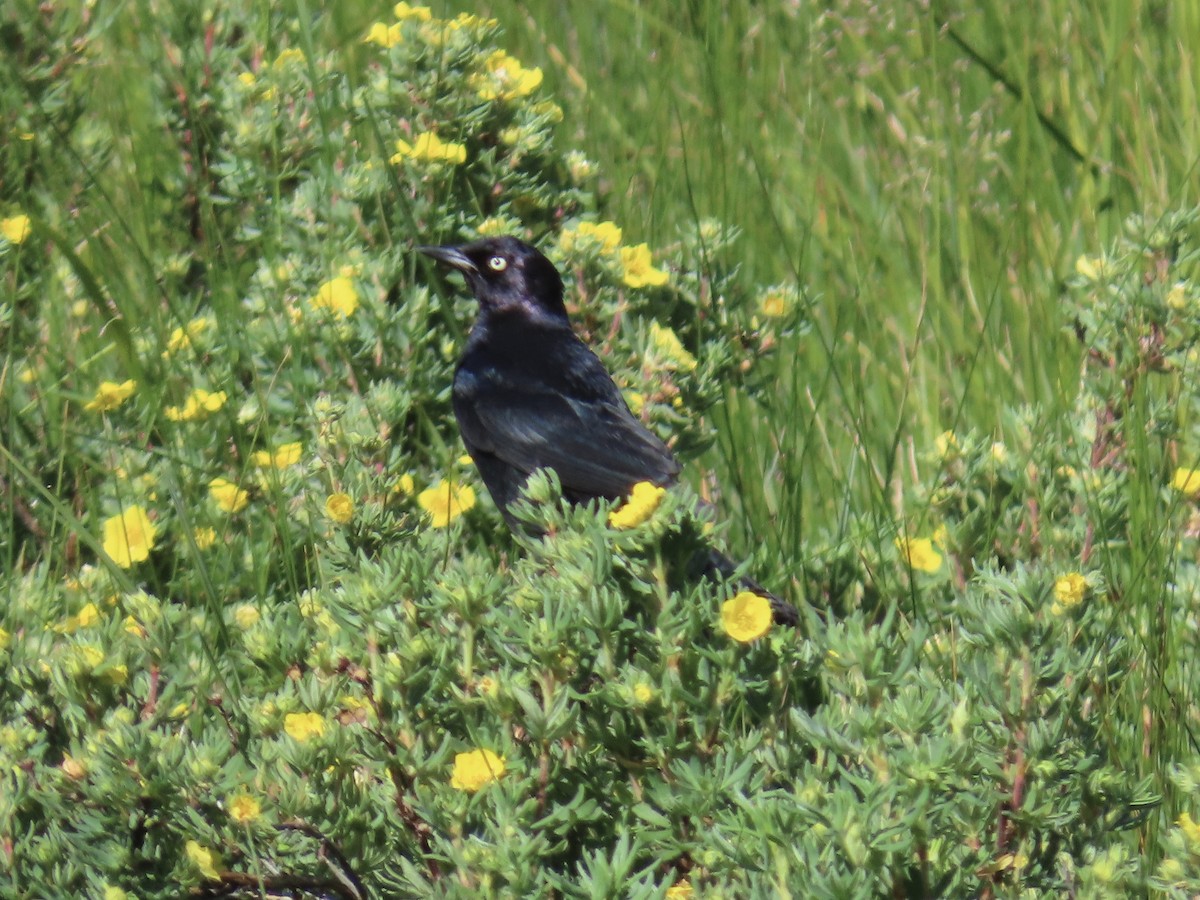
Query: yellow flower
606, 234
15, 229
666, 342
776, 302
639, 272
506, 78
384, 35
197, 406
493, 226
680, 890
946, 444
404, 484
1177, 295
129, 537
246, 616
337, 295
340, 508
635, 400
283, 456
228, 496
244, 809
919, 553
303, 727
428, 147
203, 859
746, 617
403, 12
643, 693
88, 658
476, 769
446, 501
134, 627
182, 337
1187, 482
290, 55
643, 500
110, 395
1069, 591
1191, 830
204, 536
1091, 267
112, 892
488, 685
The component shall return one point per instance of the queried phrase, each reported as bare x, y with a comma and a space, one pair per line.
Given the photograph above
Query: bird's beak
451, 256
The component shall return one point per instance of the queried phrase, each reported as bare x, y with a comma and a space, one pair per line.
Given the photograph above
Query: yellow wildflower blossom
246, 616
283, 456
197, 406
404, 11
1187, 482
15, 228
244, 809
337, 295
606, 234
445, 502
667, 343
1177, 296
638, 270
183, 336
643, 693
493, 226
1069, 591
1190, 829
303, 727
919, 554
946, 444
129, 537
746, 617
288, 56
776, 302
339, 508
384, 35
405, 484
476, 769
680, 890
205, 860
204, 536
1091, 267
428, 147
228, 496
110, 395
506, 78
643, 500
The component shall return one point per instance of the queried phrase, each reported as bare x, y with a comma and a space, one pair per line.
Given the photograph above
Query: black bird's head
506, 274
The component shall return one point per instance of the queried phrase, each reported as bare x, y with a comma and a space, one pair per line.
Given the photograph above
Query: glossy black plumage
529, 394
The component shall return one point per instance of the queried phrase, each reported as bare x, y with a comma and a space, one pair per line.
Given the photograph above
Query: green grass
923, 180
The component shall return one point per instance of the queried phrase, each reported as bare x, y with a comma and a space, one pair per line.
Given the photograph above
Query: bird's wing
594, 444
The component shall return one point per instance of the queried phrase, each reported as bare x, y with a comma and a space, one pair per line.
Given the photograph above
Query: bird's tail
716, 565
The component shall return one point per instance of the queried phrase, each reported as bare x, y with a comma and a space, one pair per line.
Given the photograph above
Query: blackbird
529, 395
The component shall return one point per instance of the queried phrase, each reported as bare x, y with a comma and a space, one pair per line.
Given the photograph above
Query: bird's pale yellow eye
497, 263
